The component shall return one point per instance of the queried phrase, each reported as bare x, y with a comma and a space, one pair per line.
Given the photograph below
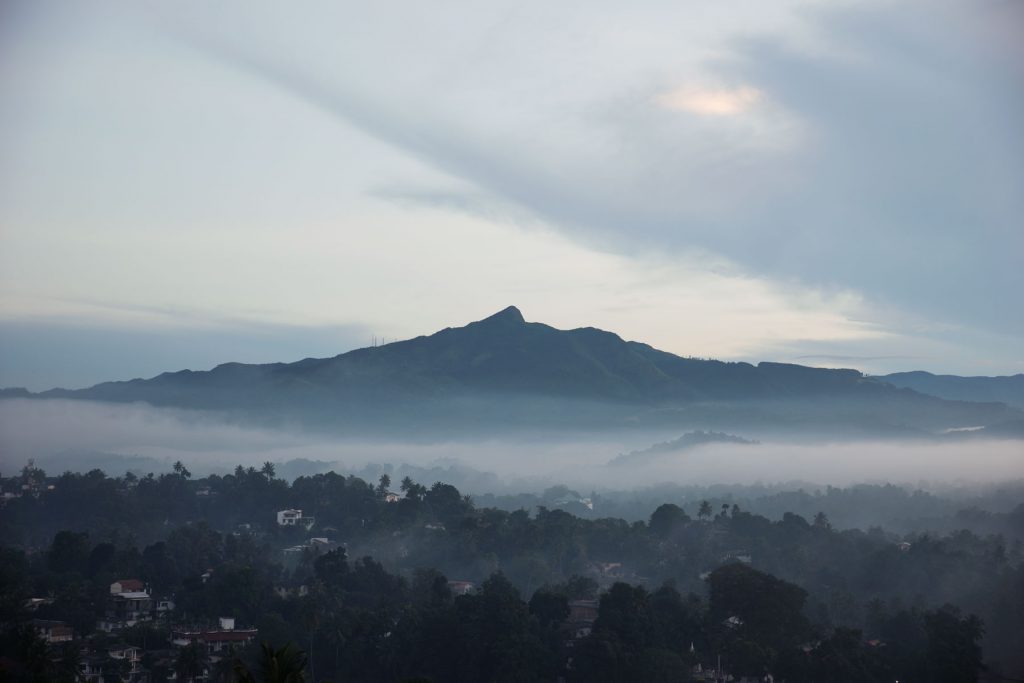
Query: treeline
72, 540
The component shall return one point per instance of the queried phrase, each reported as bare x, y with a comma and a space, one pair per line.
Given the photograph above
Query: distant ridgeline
1008, 390
505, 373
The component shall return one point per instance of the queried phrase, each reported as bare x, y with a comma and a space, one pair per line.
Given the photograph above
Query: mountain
505, 373
1008, 390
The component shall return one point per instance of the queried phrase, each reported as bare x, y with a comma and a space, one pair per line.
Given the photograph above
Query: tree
181, 470
666, 518
268, 470
286, 665
550, 608
69, 552
191, 662
821, 521
769, 610
383, 485
412, 490
954, 655
705, 510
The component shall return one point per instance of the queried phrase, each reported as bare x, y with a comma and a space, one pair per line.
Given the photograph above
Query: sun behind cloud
710, 101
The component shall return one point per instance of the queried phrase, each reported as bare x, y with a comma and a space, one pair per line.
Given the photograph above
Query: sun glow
710, 101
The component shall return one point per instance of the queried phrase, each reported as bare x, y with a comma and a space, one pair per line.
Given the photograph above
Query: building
222, 640
131, 656
129, 604
95, 667
583, 610
164, 606
127, 586
53, 631
289, 517
461, 587
582, 615
741, 556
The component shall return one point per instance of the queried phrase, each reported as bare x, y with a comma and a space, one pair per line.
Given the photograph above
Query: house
129, 654
129, 603
582, 615
732, 622
290, 591
903, 547
461, 587
95, 667
224, 639
583, 611
164, 606
127, 586
740, 556
320, 542
53, 631
289, 517
391, 497
32, 604
90, 668
314, 546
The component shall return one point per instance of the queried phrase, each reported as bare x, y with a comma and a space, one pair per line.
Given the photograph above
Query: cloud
888, 165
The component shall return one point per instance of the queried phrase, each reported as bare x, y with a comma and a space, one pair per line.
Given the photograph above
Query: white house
289, 517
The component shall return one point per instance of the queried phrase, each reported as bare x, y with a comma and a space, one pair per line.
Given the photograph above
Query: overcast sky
830, 183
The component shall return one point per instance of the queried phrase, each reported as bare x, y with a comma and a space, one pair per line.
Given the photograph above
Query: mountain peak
510, 315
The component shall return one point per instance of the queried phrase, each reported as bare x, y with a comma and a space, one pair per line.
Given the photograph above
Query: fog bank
81, 435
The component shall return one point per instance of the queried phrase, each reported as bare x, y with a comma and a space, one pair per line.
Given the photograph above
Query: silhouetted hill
504, 372
1008, 389
675, 447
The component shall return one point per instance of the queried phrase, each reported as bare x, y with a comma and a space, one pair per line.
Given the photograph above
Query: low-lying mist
79, 435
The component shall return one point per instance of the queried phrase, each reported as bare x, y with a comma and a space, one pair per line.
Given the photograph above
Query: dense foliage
794, 597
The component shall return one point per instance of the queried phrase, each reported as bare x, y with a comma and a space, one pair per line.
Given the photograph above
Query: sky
823, 182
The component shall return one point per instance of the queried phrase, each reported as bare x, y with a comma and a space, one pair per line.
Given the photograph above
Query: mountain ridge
503, 370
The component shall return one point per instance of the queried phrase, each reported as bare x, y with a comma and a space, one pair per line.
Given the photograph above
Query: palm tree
287, 665
705, 510
268, 470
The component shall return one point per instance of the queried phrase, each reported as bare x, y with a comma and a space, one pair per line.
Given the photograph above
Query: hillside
505, 372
